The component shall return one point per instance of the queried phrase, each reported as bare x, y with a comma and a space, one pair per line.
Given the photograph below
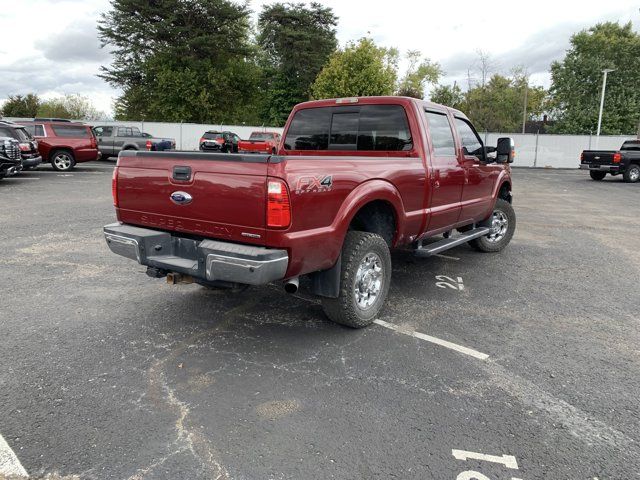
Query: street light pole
604, 87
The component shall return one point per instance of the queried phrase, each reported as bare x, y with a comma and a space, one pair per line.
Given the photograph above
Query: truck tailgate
206, 194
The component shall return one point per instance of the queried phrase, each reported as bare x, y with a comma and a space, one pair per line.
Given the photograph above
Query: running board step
447, 243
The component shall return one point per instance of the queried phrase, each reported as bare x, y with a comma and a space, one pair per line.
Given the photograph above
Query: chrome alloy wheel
634, 174
369, 278
62, 161
499, 226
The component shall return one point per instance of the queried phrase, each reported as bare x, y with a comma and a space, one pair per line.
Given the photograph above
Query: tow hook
175, 278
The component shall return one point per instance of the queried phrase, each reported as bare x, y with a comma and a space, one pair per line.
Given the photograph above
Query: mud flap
327, 282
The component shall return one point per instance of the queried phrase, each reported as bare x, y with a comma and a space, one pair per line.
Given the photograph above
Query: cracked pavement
108, 374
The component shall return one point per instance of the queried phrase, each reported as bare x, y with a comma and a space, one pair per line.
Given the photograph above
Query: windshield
212, 135
261, 136
23, 135
631, 145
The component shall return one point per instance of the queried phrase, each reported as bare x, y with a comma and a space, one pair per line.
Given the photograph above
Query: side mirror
505, 151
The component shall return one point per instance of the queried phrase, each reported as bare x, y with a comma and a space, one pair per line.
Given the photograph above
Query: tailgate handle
182, 173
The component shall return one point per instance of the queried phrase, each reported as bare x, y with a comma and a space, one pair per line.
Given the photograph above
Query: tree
296, 42
451, 96
181, 60
360, 69
75, 107
25, 106
419, 72
577, 81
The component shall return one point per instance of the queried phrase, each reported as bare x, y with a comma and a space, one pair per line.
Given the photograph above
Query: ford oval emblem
181, 198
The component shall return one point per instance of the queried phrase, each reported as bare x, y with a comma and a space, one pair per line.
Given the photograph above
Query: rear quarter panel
321, 215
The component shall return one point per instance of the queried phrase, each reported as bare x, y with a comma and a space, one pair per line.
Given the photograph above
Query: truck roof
380, 100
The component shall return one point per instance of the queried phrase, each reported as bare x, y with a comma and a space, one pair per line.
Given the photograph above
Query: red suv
63, 144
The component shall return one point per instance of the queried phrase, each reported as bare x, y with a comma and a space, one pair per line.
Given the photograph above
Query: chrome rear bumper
209, 260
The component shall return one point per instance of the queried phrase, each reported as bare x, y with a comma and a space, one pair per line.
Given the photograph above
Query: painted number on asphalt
447, 282
508, 461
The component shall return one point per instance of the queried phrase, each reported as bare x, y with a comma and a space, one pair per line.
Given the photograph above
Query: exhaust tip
291, 285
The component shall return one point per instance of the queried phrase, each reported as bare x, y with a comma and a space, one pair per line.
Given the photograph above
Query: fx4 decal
313, 183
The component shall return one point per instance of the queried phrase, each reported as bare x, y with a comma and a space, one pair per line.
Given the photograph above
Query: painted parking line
9, 463
438, 341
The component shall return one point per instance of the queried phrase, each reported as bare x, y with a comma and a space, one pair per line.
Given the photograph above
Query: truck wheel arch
374, 207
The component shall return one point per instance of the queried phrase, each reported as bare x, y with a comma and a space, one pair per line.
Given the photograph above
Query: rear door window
35, 130
71, 131
364, 129
441, 134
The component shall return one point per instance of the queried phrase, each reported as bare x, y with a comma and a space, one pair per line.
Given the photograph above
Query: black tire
597, 175
357, 248
497, 239
632, 174
63, 160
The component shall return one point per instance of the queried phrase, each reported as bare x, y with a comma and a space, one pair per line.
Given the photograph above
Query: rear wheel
597, 175
632, 174
503, 226
364, 280
63, 160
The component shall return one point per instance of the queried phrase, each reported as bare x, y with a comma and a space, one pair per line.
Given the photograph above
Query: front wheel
632, 174
597, 175
503, 226
364, 280
63, 160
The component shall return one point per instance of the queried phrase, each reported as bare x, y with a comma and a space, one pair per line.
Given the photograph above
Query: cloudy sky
50, 46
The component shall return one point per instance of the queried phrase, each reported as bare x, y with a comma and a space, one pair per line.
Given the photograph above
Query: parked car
625, 162
63, 144
113, 139
260, 142
31, 158
353, 178
225, 142
10, 157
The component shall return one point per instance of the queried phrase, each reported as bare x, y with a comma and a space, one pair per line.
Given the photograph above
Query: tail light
114, 187
94, 142
582, 156
149, 145
202, 139
278, 204
617, 157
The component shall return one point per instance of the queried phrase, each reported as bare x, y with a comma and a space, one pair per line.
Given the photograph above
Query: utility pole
524, 110
604, 87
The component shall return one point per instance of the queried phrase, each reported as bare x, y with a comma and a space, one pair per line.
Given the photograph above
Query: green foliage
577, 81
181, 60
295, 42
75, 107
420, 72
25, 106
498, 105
448, 95
360, 69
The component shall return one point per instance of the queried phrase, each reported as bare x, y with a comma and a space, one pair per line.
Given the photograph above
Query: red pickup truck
260, 142
353, 178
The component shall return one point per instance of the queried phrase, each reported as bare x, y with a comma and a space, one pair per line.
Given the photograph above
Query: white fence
546, 151
554, 151
542, 151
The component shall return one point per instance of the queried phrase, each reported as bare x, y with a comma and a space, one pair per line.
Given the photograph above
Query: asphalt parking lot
107, 373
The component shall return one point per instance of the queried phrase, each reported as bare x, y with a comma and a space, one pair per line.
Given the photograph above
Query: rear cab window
365, 128
71, 131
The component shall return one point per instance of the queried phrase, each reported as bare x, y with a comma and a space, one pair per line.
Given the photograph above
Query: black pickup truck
625, 161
